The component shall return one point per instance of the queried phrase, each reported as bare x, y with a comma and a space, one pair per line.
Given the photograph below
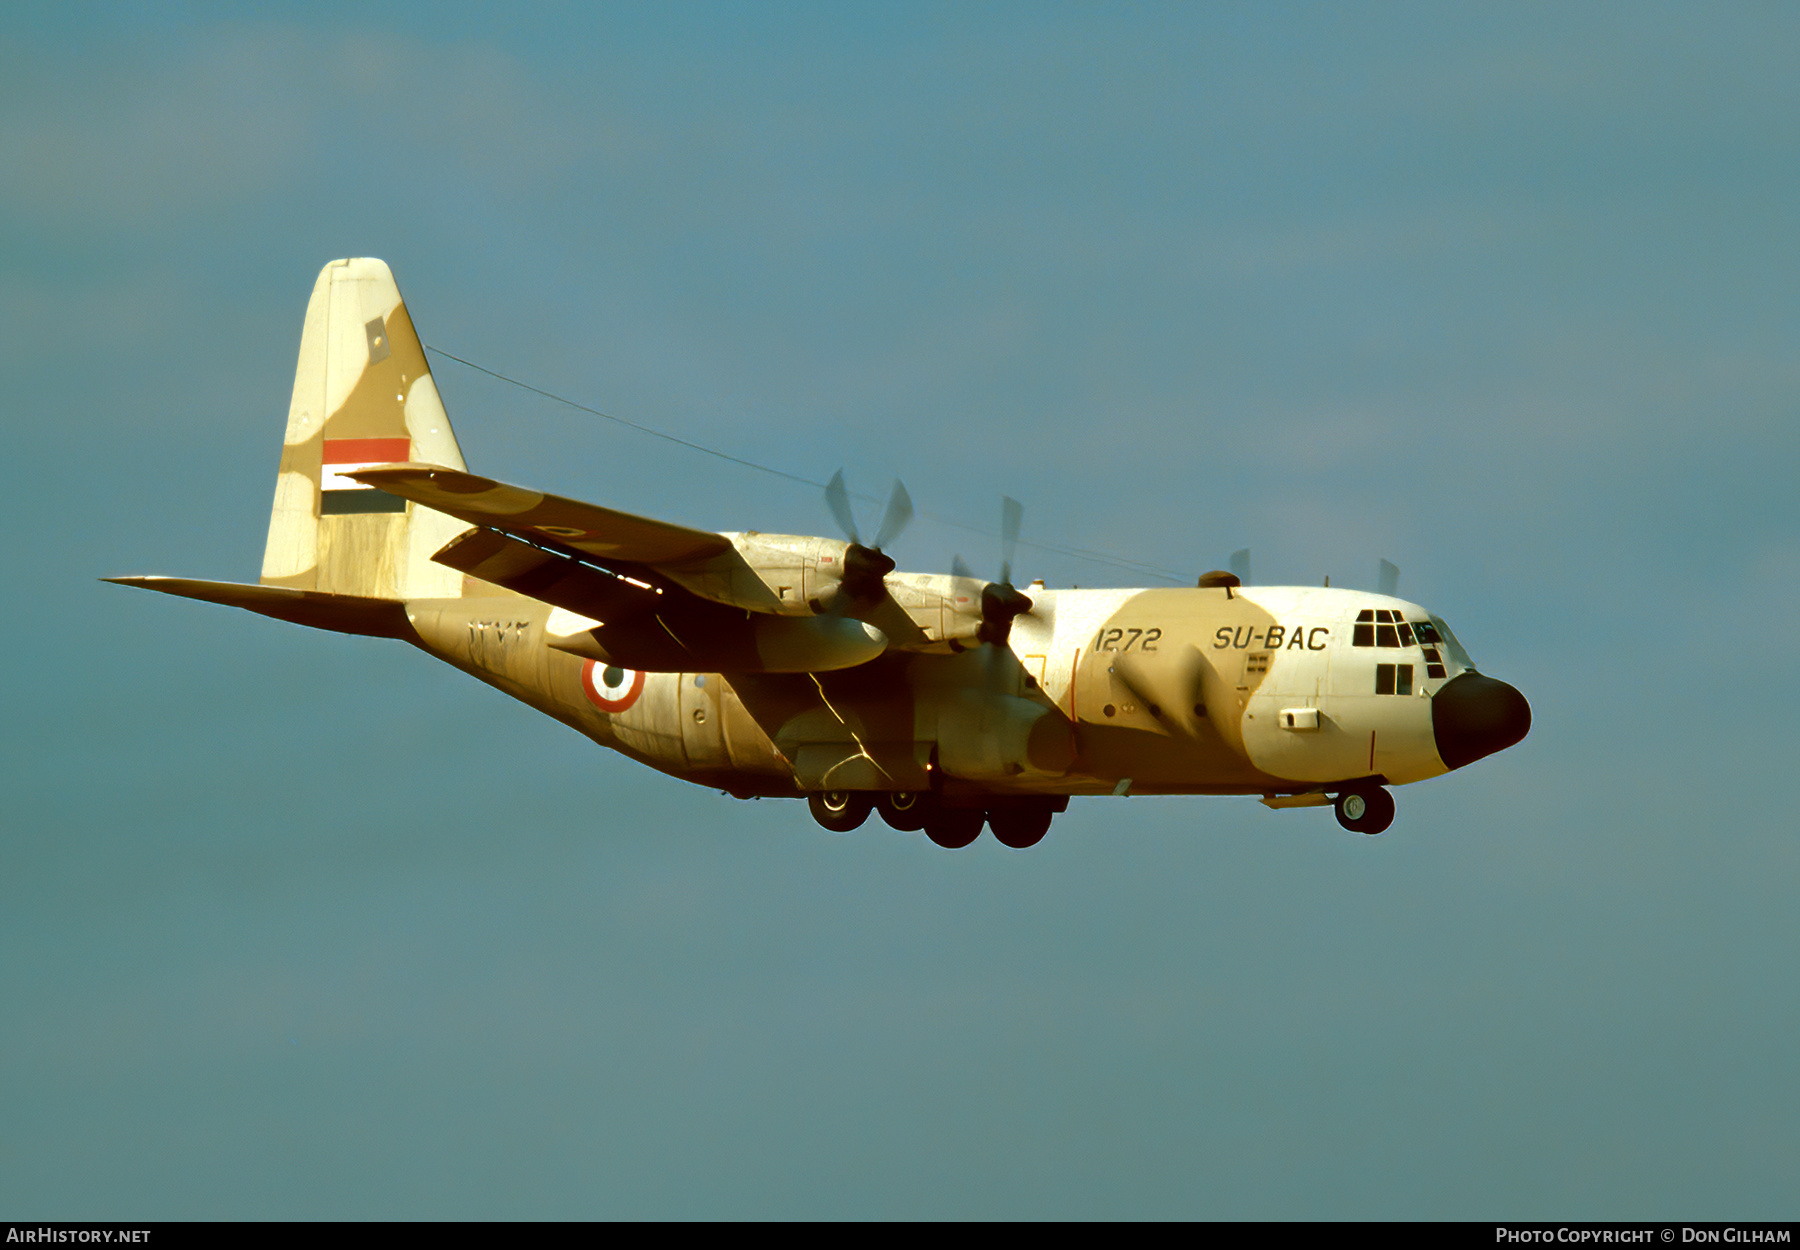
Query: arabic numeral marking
1115, 640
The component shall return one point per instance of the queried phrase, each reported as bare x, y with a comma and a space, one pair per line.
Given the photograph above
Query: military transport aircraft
774, 665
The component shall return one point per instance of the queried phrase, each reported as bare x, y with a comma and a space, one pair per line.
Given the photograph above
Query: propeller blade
1240, 566
838, 500
1012, 515
1000, 601
1387, 578
899, 512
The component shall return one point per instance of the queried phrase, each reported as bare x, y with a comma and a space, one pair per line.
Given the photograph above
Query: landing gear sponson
1016, 823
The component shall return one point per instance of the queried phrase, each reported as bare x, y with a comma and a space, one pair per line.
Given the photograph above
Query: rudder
363, 395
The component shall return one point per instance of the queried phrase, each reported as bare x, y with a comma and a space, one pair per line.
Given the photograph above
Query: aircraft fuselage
1222, 690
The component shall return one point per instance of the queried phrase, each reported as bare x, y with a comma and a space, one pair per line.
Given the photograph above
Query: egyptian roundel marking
609, 687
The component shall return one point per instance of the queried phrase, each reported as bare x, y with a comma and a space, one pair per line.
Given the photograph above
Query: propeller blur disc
1387, 578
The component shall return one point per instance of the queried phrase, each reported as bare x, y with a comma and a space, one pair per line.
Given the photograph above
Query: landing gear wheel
954, 827
1368, 810
1019, 829
839, 810
905, 810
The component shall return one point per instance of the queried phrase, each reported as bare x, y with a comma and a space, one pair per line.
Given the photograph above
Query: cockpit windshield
1450, 643
1388, 627
1381, 628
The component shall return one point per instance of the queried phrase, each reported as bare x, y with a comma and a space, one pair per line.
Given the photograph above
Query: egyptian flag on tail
339, 494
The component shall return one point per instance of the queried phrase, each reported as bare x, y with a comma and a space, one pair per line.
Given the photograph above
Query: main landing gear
1014, 824
839, 810
1365, 809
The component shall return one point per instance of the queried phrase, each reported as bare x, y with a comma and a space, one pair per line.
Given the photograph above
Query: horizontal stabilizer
585, 527
343, 614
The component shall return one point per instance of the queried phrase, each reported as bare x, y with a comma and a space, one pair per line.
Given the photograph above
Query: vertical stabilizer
363, 395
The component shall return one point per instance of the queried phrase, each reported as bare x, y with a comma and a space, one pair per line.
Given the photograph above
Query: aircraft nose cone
1473, 716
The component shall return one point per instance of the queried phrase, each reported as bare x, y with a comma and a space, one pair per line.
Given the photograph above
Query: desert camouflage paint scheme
779, 665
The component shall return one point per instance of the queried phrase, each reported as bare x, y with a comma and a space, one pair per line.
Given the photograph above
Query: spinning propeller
1000, 601
1387, 578
865, 566
1240, 566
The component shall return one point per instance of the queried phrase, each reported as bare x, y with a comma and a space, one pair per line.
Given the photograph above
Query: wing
533, 515
784, 575
649, 595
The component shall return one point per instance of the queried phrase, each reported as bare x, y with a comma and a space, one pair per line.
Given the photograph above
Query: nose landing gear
1366, 809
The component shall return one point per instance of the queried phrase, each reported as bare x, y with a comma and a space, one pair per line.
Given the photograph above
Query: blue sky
302, 925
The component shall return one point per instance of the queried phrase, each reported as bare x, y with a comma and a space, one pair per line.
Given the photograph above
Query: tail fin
363, 395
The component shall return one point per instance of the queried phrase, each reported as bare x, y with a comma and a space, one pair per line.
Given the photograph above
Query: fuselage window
1393, 679
1434, 662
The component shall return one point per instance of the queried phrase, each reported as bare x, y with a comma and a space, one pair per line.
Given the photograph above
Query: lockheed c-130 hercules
771, 665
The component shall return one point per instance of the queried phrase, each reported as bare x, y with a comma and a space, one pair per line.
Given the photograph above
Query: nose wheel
1368, 809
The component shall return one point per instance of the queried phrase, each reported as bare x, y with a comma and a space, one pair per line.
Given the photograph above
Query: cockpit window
1382, 627
1451, 645
1386, 627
